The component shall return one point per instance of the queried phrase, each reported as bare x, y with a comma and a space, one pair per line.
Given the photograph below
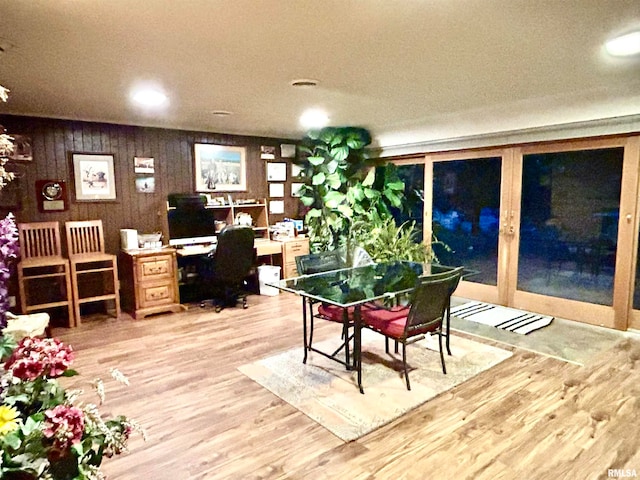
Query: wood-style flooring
531, 417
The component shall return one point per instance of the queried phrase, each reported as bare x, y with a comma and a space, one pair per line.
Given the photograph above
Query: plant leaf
371, 176
318, 178
307, 201
340, 153
315, 161
346, 210
334, 181
333, 199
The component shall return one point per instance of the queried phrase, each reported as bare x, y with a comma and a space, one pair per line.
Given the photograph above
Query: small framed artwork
146, 184
94, 178
295, 189
219, 168
267, 152
287, 150
276, 190
143, 165
296, 171
276, 206
276, 172
22, 149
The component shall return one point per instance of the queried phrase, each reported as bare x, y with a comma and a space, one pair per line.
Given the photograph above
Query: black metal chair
226, 269
427, 313
318, 263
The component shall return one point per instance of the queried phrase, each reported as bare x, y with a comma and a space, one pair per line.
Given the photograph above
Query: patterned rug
517, 321
327, 393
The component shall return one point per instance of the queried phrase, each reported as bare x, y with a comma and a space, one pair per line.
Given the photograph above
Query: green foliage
343, 186
387, 241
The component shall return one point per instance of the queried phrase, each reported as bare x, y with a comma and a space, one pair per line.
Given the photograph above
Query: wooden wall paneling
54, 140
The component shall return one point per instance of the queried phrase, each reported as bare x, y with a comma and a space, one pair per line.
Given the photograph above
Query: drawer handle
156, 270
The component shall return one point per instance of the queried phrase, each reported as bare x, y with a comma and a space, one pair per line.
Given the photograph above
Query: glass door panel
466, 213
570, 205
413, 177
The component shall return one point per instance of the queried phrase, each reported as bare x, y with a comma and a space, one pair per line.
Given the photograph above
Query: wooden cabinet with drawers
149, 282
290, 250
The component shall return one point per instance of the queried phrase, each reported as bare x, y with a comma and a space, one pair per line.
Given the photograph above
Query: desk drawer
152, 268
295, 248
153, 295
290, 270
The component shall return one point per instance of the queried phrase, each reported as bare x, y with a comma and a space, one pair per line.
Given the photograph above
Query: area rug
327, 393
511, 319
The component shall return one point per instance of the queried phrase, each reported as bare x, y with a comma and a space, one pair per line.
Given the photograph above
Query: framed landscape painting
219, 168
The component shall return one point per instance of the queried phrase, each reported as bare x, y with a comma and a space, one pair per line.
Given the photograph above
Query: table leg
304, 328
357, 345
448, 326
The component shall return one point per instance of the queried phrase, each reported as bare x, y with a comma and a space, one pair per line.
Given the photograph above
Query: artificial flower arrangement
45, 431
9, 251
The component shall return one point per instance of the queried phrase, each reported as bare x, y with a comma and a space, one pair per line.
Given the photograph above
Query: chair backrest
235, 253
39, 239
361, 258
84, 237
319, 262
430, 300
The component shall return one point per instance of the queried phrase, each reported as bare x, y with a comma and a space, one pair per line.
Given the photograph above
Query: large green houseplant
342, 187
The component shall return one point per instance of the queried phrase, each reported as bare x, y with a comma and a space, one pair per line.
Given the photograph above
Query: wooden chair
94, 273
426, 314
44, 278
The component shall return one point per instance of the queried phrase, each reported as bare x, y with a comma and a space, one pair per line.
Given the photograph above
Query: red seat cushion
390, 322
333, 312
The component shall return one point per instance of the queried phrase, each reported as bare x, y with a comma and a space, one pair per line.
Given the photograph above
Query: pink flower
39, 357
65, 425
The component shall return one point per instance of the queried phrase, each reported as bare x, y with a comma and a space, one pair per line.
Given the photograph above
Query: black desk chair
225, 270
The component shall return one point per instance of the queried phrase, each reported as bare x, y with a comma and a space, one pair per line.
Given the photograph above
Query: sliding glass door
552, 228
569, 216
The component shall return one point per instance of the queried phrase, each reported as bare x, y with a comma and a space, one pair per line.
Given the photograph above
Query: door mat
511, 319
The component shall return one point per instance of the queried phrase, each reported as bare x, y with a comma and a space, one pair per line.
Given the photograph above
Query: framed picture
267, 152
276, 206
145, 184
143, 165
297, 171
287, 150
219, 168
276, 190
22, 151
94, 178
276, 172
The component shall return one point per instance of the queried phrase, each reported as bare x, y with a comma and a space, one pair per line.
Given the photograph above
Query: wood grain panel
53, 140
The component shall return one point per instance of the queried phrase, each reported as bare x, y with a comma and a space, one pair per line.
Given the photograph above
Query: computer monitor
190, 223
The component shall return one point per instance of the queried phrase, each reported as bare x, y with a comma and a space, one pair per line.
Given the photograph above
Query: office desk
263, 247
353, 287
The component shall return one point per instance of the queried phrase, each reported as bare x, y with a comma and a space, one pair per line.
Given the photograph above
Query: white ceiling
407, 70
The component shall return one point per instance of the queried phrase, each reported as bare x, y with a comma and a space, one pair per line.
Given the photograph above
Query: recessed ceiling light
624, 45
314, 118
149, 97
304, 83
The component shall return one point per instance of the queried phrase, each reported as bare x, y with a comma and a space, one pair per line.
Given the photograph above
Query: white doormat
511, 319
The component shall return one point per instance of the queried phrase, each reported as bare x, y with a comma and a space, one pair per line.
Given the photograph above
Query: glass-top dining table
351, 288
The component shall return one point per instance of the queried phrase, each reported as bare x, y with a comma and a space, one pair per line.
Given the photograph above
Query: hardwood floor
531, 417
